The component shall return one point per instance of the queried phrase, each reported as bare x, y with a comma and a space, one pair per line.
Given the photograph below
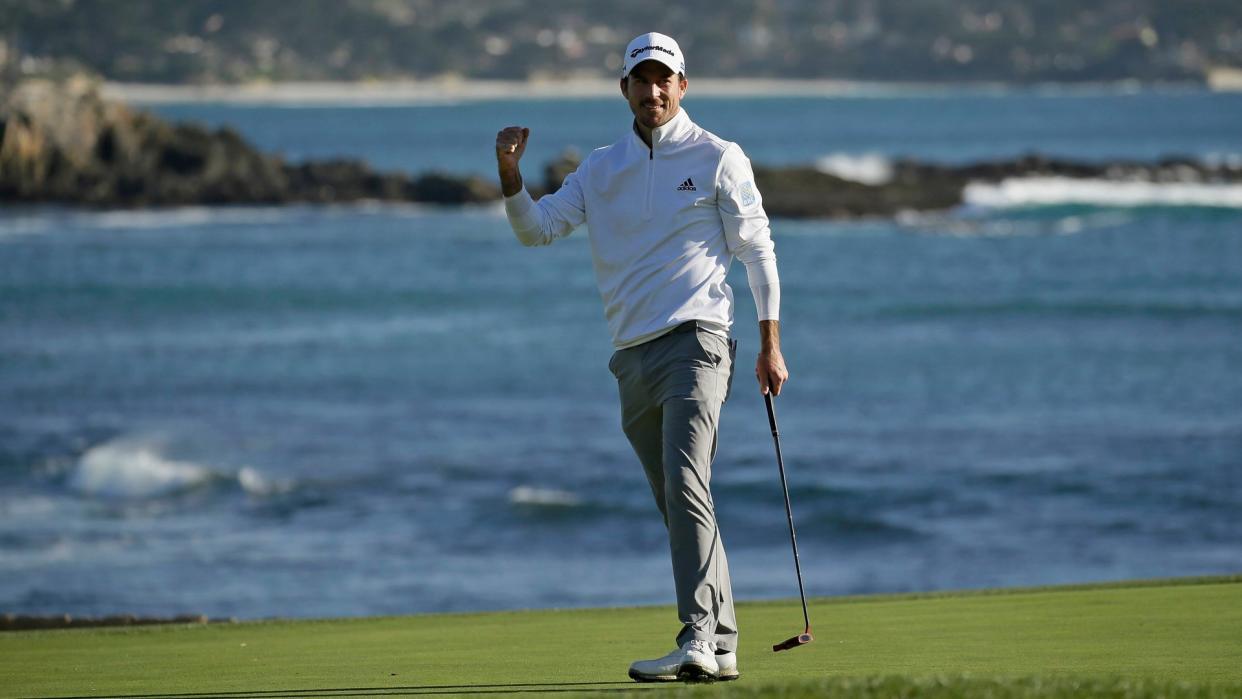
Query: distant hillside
227, 41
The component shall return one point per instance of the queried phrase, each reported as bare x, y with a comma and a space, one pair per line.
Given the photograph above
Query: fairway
1170, 638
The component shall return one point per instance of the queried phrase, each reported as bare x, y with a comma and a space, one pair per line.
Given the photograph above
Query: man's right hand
510, 145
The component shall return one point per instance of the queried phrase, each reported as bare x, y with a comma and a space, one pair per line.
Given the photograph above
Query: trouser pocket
722, 353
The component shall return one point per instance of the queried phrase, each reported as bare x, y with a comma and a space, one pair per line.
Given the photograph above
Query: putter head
800, 640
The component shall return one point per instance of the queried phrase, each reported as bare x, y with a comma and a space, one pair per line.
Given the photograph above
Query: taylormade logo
635, 52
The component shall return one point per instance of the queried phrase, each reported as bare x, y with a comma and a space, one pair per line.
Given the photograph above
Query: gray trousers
672, 389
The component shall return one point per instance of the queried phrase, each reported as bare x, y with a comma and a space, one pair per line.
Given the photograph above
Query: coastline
453, 90
126, 159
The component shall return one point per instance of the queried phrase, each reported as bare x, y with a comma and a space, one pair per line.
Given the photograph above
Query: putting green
1171, 638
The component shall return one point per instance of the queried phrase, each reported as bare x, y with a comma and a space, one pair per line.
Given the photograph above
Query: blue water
311, 411
950, 127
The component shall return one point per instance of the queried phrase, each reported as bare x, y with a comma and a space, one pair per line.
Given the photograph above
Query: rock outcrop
805, 192
65, 144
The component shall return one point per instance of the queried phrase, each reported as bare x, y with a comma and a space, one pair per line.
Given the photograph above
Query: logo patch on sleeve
747, 190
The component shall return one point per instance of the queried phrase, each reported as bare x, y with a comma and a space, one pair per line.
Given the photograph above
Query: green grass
1162, 638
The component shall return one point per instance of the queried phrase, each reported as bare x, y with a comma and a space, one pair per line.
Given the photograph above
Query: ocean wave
1021, 192
529, 496
51, 220
132, 468
354, 332
181, 217
865, 168
22, 226
977, 222
35, 221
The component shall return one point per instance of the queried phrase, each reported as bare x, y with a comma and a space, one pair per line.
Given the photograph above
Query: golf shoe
694, 661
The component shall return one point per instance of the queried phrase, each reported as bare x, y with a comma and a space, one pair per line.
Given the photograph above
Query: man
668, 206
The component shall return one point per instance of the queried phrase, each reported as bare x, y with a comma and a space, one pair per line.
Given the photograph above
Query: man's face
654, 92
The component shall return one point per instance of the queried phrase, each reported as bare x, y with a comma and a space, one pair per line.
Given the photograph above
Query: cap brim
667, 61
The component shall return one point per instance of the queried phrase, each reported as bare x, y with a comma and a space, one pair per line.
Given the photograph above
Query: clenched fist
510, 145
511, 142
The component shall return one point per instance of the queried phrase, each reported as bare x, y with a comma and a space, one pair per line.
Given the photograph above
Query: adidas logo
687, 186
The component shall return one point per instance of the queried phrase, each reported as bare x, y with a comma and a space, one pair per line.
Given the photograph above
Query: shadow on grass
408, 690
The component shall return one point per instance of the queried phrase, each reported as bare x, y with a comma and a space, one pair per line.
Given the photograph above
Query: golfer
668, 207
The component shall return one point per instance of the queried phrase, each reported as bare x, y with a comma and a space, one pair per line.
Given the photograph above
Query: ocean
380, 409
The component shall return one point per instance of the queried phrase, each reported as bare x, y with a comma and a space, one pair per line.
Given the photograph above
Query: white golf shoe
727, 664
694, 661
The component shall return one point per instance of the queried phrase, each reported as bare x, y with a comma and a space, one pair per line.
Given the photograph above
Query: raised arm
553, 216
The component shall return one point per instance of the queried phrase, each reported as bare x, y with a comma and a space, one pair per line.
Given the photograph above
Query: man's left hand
771, 372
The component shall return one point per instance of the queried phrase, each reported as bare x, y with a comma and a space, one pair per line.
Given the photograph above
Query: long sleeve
554, 216
747, 232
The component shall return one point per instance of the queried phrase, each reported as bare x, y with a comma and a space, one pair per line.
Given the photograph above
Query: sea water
320, 411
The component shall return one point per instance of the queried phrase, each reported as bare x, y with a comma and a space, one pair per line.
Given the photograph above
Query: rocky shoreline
65, 144
805, 192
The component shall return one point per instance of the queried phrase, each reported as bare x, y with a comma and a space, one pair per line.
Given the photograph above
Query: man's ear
684, 84
625, 92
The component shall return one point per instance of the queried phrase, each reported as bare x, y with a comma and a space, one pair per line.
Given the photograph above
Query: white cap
653, 46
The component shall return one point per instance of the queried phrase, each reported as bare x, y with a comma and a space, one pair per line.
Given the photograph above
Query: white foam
132, 468
352, 331
255, 483
22, 226
51, 221
1060, 191
979, 222
136, 468
865, 168
547, 497
180, 217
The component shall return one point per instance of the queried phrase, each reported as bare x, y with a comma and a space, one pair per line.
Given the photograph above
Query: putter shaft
806, 636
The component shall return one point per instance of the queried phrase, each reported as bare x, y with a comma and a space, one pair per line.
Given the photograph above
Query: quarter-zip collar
676, 129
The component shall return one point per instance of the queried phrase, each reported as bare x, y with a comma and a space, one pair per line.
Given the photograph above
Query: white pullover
665, 223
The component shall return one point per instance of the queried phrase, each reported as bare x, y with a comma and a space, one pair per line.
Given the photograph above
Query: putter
805, 637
